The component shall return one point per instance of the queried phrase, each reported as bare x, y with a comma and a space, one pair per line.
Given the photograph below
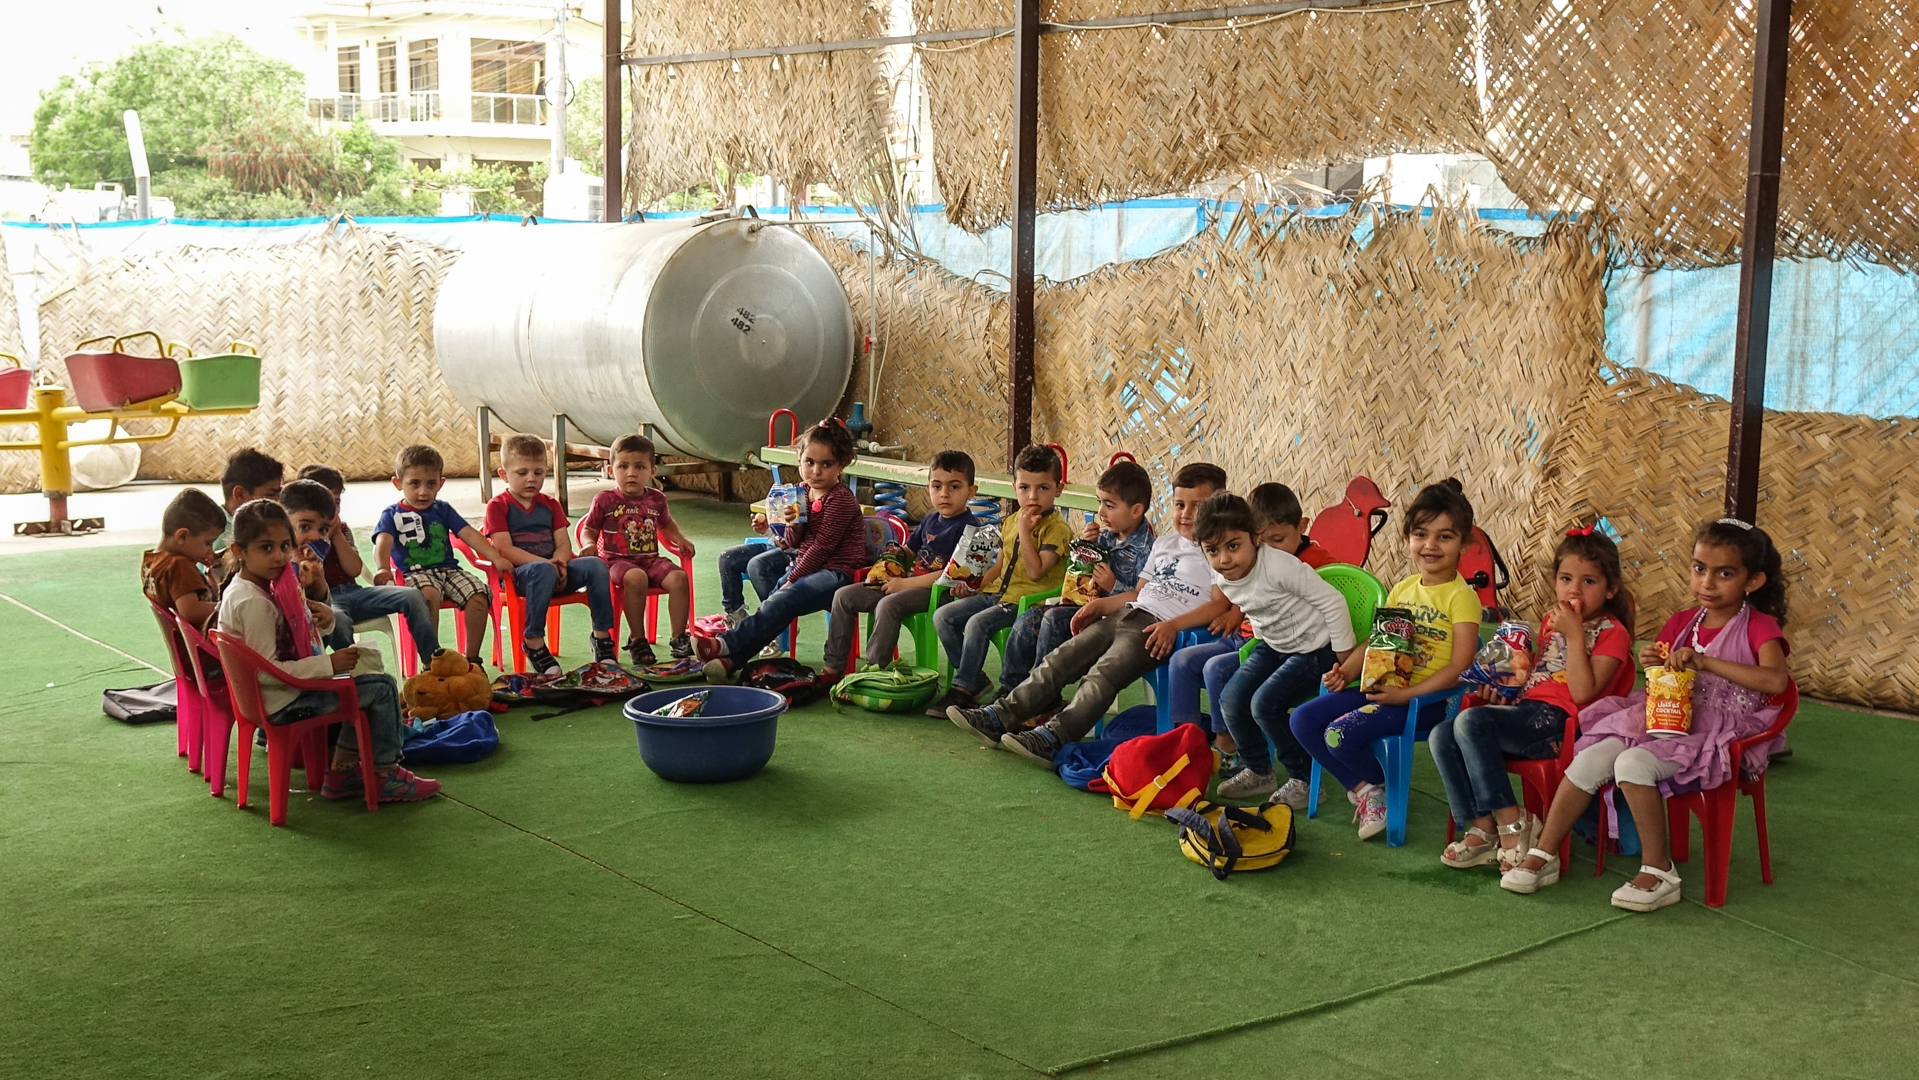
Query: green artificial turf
886, 899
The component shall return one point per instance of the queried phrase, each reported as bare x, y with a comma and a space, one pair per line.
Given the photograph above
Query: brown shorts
655, 568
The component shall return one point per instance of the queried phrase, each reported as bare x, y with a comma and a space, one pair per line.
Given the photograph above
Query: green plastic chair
926, 640
1363, 592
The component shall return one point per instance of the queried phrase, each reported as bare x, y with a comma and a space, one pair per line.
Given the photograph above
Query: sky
49, 38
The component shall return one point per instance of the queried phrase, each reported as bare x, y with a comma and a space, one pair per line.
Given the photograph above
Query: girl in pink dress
1733, 642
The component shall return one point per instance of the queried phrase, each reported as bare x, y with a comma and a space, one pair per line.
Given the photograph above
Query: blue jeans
353, 602
814, 592
966, 628
1193, 667
1035, 634
379, 699
758, 563
1339, 730
1471, 751
1257, 702
538, 581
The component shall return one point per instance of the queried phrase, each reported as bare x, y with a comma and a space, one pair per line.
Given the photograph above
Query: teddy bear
449, 686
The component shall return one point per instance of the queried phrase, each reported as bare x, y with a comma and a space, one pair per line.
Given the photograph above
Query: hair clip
1734, 521
1584, 530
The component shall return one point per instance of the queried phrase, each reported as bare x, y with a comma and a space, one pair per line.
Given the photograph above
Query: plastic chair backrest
198, 645
244, 668
1483, 569
176, 645
1346, 529
1363, 592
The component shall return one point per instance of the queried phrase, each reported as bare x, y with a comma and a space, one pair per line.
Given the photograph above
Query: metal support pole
559, 461
1019, 344
486, 454
1756, 258
612, 197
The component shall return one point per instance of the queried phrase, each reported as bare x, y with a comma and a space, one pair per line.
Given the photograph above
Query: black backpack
785, 676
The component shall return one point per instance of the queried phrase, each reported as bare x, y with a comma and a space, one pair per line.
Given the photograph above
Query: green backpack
900, 687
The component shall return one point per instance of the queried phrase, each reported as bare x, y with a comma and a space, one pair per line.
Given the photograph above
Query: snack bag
785, 507
1504, 663
1391, 651
1081, 559
692, 704
1668, 700
895, 562
973, 556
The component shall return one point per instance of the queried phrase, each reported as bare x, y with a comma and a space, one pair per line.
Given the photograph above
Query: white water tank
699, 331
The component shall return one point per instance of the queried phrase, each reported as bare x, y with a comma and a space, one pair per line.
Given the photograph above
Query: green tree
187, 93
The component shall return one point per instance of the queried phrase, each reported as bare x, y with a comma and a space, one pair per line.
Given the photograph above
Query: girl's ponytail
1757, 554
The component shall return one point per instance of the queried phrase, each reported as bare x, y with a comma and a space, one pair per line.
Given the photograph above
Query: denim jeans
538, 581
1258, 701
966, 628
1192, 668
1035, 634
1339, 730
353, 602
379, 699
1471, 751
1104, 658
814, 592
758, 563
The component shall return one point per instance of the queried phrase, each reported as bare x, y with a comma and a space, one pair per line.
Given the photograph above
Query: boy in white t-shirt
1302, 629
1116, 639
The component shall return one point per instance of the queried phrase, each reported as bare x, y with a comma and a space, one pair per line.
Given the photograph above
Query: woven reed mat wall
343, 320
1287, 352
1643, 106
19, 470
1836, 496
1152, 110
811, 118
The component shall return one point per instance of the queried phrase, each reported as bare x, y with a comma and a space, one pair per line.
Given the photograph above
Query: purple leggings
1211, 665
1339, 731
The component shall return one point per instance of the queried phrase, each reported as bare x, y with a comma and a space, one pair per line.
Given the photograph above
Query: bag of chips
895, 562
785, 506
1391, 651
692, 704
1504, 663
1668, 700
1082, 558
973, 556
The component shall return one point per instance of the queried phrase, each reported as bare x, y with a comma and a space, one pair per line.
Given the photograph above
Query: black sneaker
603, 649
955, 698
641, 650
982, 724
1036, 745
541, 661
681, 647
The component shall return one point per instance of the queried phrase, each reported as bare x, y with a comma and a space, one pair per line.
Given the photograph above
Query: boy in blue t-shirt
949, 487
416, 535
1125, 494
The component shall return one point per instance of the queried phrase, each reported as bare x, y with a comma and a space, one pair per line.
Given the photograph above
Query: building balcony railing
418, 107
423, 106
509, 109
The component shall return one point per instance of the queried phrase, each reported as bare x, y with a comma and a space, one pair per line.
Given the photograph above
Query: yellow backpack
1229, 838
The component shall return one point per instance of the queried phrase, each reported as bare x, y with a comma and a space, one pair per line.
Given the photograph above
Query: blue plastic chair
1159, 680
1395, 755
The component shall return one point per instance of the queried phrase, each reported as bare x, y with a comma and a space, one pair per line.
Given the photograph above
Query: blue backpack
460, 740
1080, 763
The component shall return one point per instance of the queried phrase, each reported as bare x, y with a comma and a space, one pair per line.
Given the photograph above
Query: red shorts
655, 568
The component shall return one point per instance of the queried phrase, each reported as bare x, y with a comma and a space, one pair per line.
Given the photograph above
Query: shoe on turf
399, 785
1295, 793
735, 617
640, 651
1247, 784
342, 783
773, 651
718, 670
1038, 744
1521, 880
541, 661
1633, 898
1372, 811
680, 647
983, 724
603, 649
708, 649
955, 698
1463, 856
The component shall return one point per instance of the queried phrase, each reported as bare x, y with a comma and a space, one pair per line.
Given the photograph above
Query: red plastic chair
882, 527
1538, 780
1484, 570
216, 724
1715, 808
509, 610
653, 592
191, 706
1346, 529
243, 669
409, 656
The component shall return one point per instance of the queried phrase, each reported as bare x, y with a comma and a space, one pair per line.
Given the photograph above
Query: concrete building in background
457, 82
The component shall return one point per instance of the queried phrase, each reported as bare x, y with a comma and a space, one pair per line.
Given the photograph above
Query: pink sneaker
341, 783
399, 785
1372, 811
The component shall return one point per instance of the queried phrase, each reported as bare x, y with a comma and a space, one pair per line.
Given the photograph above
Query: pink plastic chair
216, 723
192, 707
243, 669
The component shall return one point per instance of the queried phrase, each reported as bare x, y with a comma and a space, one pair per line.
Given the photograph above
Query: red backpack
1152, 774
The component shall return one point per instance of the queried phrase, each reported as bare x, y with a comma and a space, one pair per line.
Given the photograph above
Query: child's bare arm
562, 545
677, 538
350, 560
484, 548
509, 554
1768, 676
193, 609
383, 558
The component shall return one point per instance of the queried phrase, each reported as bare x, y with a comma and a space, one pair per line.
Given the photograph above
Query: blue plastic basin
731, 740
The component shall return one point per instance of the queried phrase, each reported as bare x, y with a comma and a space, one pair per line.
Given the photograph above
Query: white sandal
1665, 894
1527, 828
1521, 880
1463, 856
